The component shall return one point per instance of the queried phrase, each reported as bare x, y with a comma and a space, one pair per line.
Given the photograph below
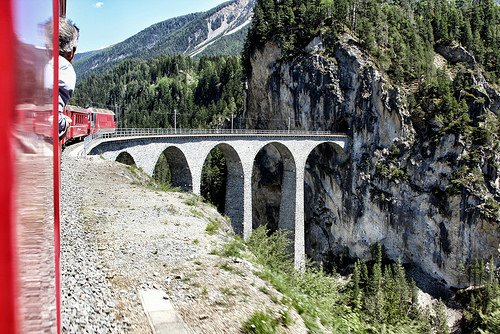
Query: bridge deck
210, 133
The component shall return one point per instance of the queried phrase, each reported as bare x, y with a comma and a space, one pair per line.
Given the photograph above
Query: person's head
68, 38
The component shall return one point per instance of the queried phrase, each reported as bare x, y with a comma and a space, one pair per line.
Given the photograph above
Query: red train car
79, 126
29, 172
101, 119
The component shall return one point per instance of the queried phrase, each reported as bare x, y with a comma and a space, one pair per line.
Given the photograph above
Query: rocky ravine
350, 204
118, 236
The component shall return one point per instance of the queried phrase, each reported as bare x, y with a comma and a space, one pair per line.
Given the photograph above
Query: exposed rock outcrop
397, 186
457, 54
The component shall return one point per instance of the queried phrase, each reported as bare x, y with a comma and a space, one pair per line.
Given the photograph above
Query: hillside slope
220, 31
120, 235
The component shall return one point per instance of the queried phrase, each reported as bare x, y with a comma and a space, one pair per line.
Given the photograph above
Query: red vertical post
8, 287
56, 163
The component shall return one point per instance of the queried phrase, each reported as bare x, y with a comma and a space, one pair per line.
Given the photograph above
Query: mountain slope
83, 55
221, 30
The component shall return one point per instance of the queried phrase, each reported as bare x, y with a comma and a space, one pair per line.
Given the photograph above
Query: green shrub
260, 323
233, 248
285, 318
213, 226
491, 319
191, 201
378, 300
271, 250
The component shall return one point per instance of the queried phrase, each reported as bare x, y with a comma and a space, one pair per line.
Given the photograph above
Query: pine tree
375, 296
403, 290
356, 279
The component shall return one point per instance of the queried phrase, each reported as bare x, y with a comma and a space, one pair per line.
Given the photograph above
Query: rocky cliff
398, 183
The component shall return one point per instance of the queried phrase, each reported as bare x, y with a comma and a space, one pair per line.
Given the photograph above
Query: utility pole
288, 124
117, 116
175, 120
232, 122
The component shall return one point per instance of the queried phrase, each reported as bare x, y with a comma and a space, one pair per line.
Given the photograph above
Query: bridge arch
234, 185
324, 211
340, 152
125, 158
180, 173
284, 169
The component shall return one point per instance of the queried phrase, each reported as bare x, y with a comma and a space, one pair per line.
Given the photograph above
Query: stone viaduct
186, 155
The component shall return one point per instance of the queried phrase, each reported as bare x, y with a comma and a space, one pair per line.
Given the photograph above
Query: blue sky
106, 22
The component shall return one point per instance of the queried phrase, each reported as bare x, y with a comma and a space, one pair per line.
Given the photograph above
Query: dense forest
400, 34
149, 94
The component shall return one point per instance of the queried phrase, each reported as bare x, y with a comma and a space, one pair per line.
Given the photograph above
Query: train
37, 120
85, 121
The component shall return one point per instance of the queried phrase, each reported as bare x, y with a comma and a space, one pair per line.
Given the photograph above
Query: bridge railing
139, 132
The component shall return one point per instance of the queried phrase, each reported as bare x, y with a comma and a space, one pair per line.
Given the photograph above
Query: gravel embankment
119, 236
87, 296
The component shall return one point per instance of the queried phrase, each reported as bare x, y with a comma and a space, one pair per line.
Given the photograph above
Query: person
68, 40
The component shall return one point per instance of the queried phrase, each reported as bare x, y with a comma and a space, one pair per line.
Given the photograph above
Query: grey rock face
457, 54
266, 193
392, 186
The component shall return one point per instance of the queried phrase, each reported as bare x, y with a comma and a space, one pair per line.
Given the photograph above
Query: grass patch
264, 290
197, 213
193, 200
213, 226
229, 268
227, 291
260, 323
234, 248
286, 318
172, 209
165, 187
204, 292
